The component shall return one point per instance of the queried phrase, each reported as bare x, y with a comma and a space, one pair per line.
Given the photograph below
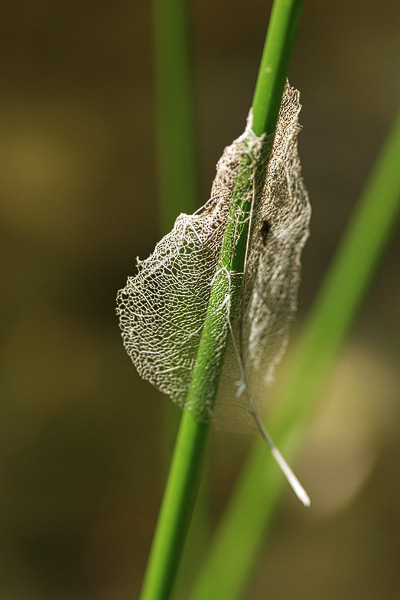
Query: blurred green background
80, 460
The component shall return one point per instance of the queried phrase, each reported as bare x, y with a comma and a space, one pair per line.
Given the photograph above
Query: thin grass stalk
177, 190
175, 137
248, 518
175, 121
192, 436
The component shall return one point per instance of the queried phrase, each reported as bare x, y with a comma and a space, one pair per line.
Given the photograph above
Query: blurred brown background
80, 466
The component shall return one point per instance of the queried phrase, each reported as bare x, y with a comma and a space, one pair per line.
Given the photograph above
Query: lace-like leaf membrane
162, 309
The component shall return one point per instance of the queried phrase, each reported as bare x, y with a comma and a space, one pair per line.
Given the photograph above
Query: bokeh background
81, 459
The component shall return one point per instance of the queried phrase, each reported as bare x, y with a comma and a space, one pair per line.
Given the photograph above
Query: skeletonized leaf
162, 308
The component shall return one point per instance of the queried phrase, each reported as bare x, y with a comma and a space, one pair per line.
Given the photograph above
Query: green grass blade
246, 521
177, 192
282, 29
174, 108
175, 511
175, 136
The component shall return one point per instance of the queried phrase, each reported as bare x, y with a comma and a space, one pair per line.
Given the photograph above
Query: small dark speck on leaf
266, 226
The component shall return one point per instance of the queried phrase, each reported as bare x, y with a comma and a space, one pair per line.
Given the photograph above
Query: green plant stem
249, 516
177, 192
176, 508
174, 110
282, 29
176, 155
189, 448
